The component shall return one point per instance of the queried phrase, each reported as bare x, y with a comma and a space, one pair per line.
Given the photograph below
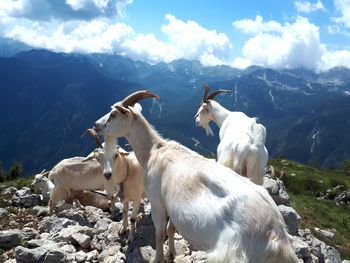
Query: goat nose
107, 175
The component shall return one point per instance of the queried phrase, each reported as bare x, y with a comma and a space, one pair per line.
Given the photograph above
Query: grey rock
271, 186
301, 249
102, 224
80, 256
27, 255
25, 198
331, 255
325, 233
9, 191
91, 255
14, 237
53, 224
291, 218
3, 212
65, 235
82, 240
41, 210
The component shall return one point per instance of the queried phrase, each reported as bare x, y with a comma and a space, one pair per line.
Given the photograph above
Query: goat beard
208, 130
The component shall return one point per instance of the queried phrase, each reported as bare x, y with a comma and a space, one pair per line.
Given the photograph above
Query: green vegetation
304, 183
12, 177
13, 173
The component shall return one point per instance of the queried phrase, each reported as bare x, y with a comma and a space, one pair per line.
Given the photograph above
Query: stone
102, 224
291, 218
25, 198
271, 186
9, 191
331, 255
91, 255
66, 234
325, 233
301, 249
3, 212
82, 240
28, 255
54, 225
13, 237
80, 256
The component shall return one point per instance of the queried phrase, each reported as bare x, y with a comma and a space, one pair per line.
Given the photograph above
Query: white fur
242, 140
132, 185
43, 184
214, 208
77, 174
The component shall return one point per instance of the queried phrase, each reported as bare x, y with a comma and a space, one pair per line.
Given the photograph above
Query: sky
270, 33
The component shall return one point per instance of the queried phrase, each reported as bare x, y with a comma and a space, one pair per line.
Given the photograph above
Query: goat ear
124, 154
45, 173
91, 156
121, 109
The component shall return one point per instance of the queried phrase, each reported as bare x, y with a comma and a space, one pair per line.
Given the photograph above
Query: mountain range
48, 99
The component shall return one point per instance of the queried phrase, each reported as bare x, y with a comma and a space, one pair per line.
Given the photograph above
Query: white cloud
336, 58
93, 36
185, 39
297, 45
308, 7
257, 26
343, 9
65, 10
196, 42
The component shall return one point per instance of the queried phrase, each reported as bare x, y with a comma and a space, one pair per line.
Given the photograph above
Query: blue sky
272, 33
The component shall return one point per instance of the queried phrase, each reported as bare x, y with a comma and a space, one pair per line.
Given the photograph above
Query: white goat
77, 173
43, 184
131, 186
242, 140
212, 207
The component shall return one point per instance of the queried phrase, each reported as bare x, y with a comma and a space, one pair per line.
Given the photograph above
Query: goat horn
93, 133
46, 173
135, 97
212, 95
206, 90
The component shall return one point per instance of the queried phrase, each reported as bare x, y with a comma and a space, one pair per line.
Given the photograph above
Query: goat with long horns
242, 139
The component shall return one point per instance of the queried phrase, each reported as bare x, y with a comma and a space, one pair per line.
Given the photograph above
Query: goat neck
109, 146
218, 112
143, 137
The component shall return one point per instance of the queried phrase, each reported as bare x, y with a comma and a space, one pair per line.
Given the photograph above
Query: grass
17, 183
303, 184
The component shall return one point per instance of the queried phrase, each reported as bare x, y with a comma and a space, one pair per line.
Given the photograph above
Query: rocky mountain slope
91, 235
48, 99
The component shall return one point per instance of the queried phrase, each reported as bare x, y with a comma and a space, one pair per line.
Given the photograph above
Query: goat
77, 173
214, 208
42, 183
242, 140
131, 187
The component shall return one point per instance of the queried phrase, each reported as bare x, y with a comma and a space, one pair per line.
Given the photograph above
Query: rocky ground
91, 235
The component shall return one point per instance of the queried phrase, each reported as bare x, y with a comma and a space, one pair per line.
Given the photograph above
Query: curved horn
135, 97
206, 90
46, 173
212, 95
93, 133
